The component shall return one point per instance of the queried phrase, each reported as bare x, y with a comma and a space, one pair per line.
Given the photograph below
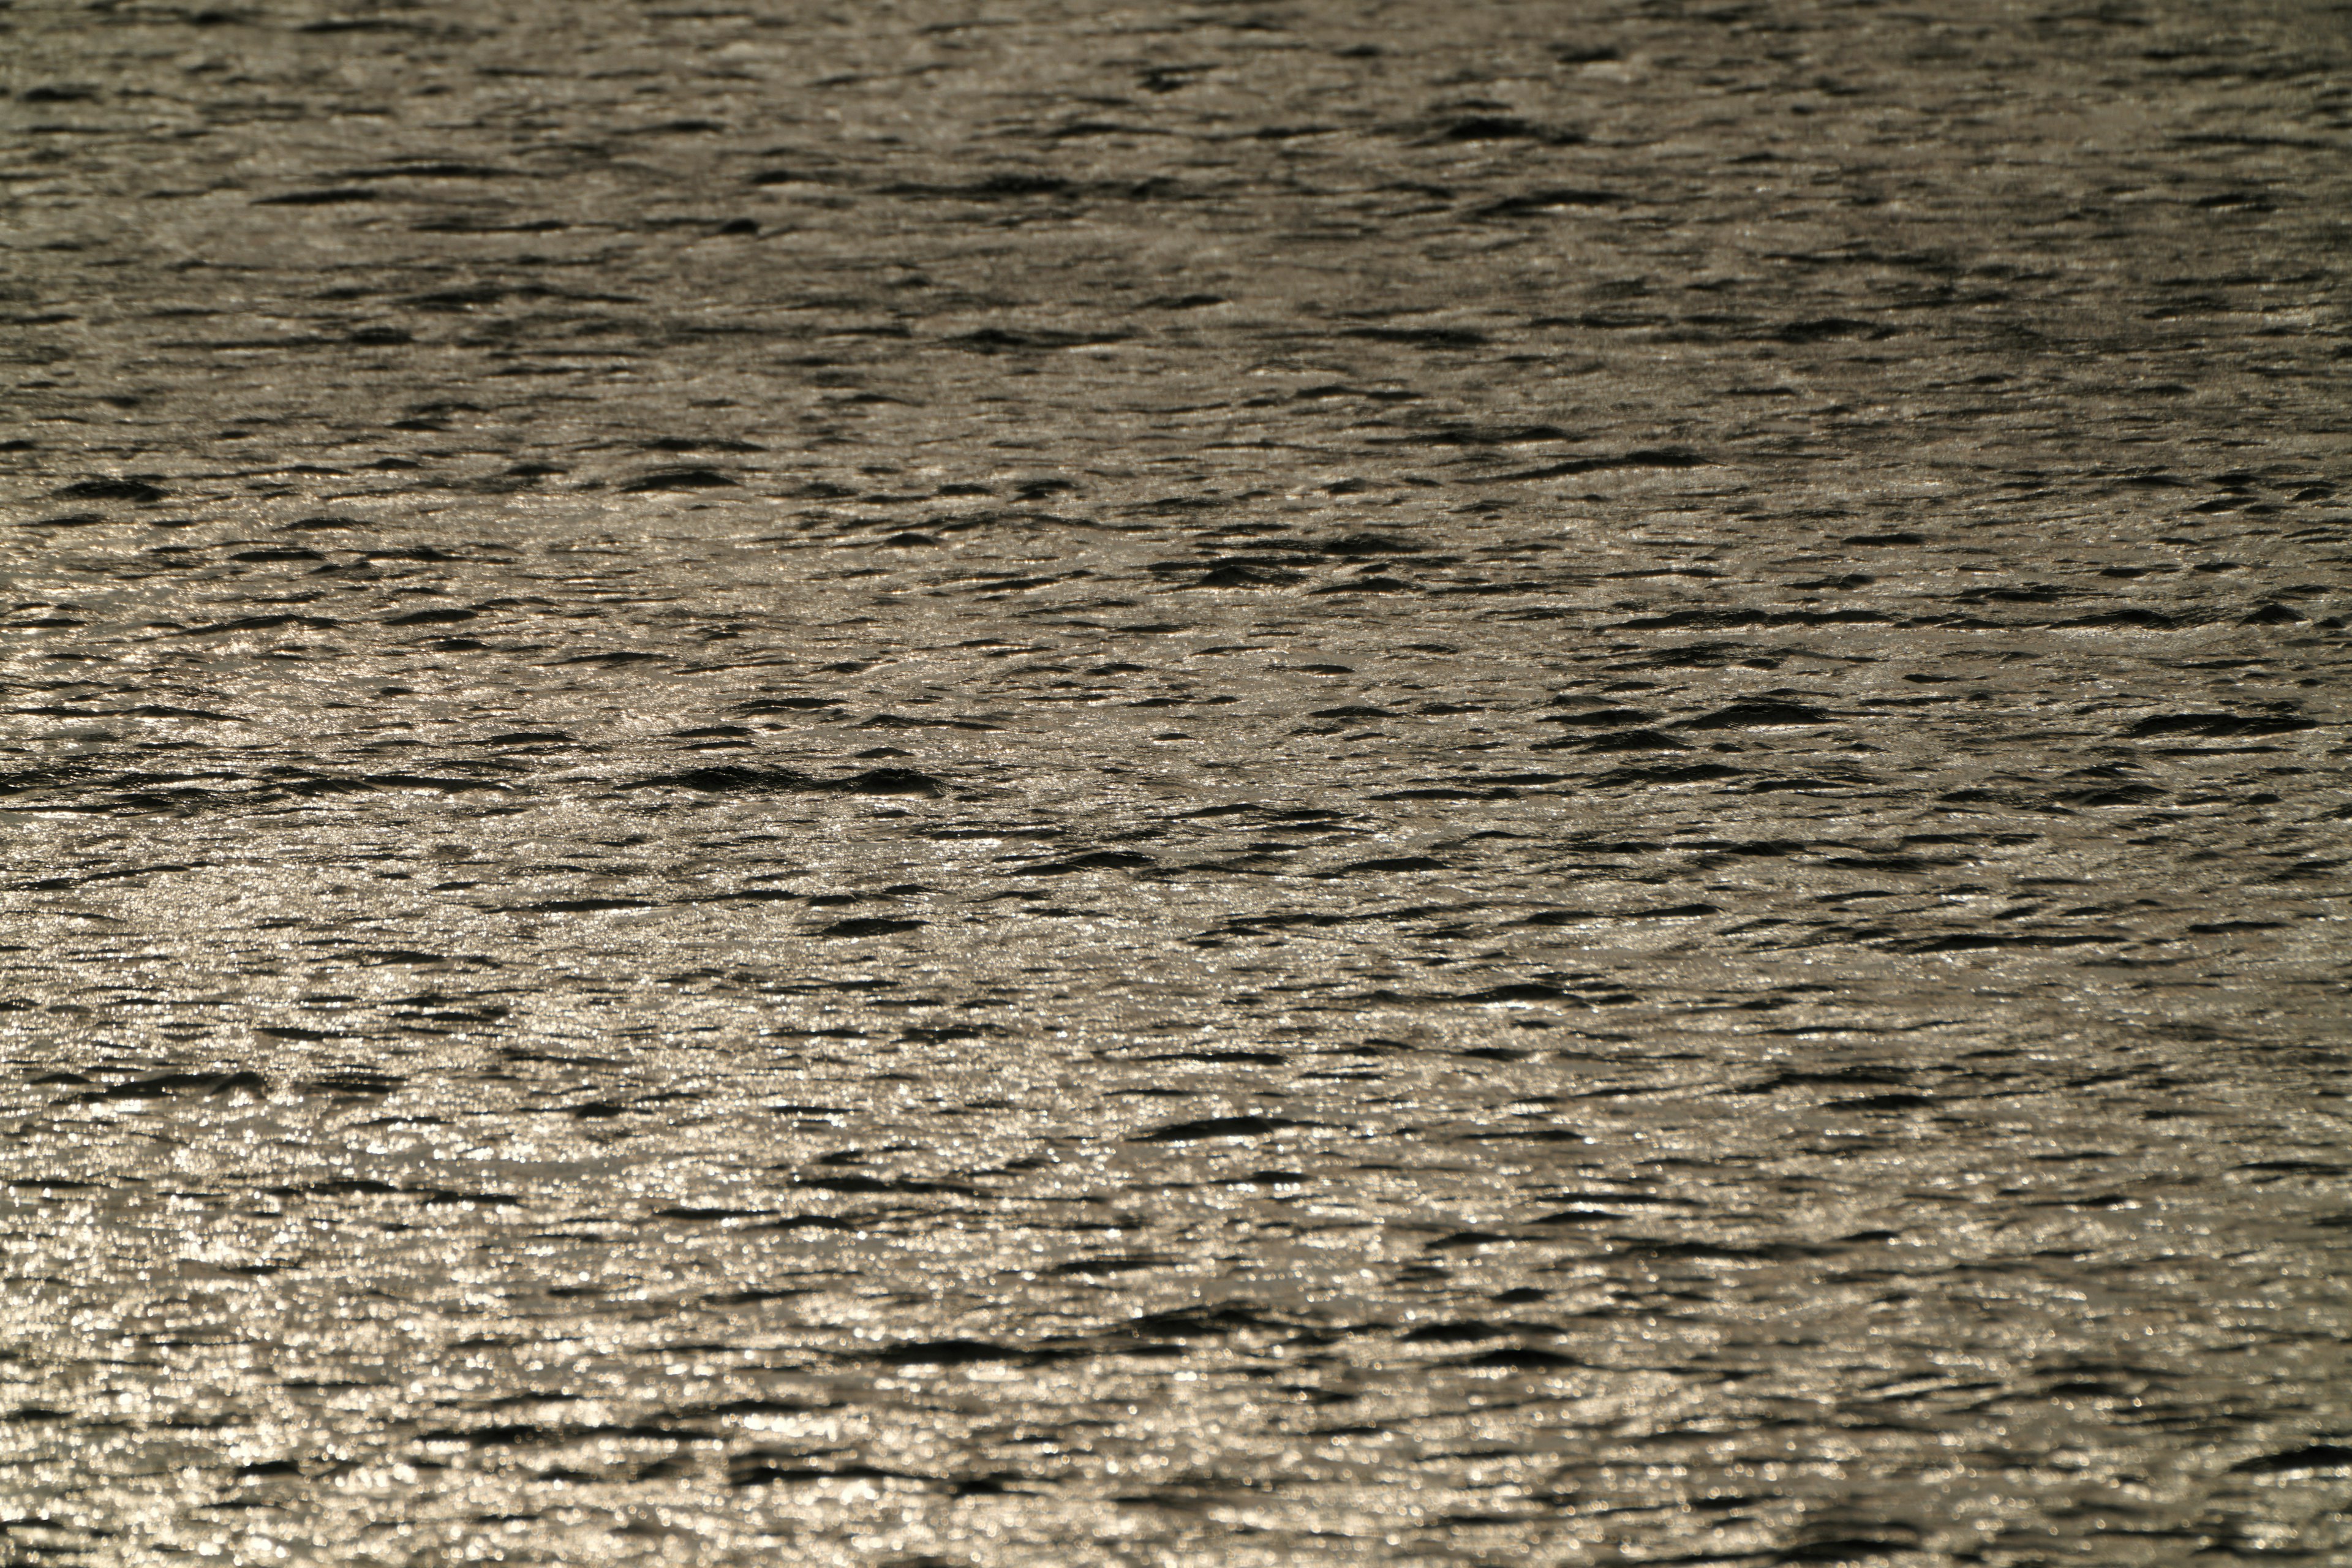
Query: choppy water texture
1269, 784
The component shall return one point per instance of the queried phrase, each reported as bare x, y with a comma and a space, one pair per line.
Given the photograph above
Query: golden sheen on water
1218, 786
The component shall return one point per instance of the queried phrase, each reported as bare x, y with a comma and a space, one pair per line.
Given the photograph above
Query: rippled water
1286, 783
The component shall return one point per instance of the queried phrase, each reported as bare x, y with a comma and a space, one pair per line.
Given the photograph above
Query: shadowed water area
1242, 784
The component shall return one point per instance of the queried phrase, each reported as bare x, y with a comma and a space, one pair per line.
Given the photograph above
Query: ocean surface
1290, 782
